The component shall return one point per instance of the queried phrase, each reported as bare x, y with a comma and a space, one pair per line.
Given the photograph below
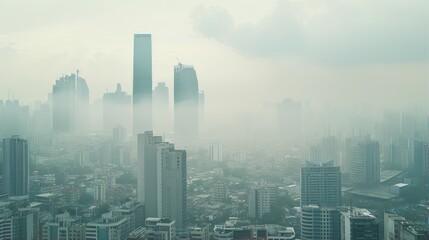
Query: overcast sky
245, 52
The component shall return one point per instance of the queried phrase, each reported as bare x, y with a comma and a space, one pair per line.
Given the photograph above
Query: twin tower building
186, 93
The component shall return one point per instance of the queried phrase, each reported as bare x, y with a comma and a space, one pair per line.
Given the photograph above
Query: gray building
16, 166
321, 184
162, 184
364, 162
116, 110
142, 83
161, 109
70, 104
186, 108
321, 223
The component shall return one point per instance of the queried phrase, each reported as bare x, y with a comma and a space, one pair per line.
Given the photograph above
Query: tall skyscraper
162, 182
259, 202
364, 162
161, 109
70, 104
321, 185
186, 123
16, 166
116, 110
142, 83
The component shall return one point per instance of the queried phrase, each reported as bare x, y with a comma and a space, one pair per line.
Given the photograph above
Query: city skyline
214, 120
191, 45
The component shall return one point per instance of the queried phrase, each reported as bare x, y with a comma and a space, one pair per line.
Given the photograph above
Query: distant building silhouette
16, 166
161, 109
201, 109
161, 182
186, 123
142, 83
116, 110
364, 161
14, 119
70, 104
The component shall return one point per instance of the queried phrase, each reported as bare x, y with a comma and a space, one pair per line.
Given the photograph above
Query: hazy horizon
375, 55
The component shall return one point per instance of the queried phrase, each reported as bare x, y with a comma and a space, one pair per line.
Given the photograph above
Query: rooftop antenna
77, 73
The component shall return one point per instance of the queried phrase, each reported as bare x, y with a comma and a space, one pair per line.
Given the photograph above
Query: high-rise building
419, 157
162, 186
364, 162
359, 223
142, 83
321, 223
321, 184
161, 109
116, 110
16, 166
259, 202
216, 153
186, 123
70, 104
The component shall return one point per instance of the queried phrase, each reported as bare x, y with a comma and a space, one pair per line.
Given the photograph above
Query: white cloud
330, 32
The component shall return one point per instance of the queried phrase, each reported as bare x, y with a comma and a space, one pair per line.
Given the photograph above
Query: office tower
321, 223
201, 109
259, 202
142, 83
70, 104
161, 109
419, 158
364, 162
359, 223
216, 152
162, 183
116, 110
321, 184
16, 164
64, 226
186, 123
